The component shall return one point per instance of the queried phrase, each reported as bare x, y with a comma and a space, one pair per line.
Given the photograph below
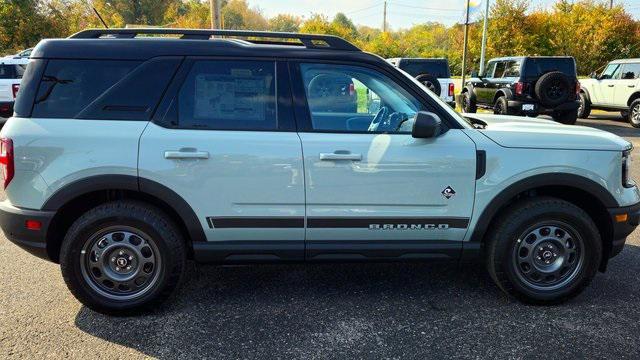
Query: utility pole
214, 6
610, 4
484, 37
384, 17
466, 39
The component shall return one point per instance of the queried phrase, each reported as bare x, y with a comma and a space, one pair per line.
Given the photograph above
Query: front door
604, 88
372, 190
228, 147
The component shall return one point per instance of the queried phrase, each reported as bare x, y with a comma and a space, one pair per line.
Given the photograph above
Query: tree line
586, 29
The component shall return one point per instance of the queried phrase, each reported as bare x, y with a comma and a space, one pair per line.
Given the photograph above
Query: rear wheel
122, 257
543, 250
501, 107
568, 117
585, 107
431, 82
634, 113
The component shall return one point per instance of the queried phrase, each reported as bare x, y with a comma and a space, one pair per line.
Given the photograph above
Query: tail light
352, 89
452, 89
15, 88
6, 160
577, 87
518, 88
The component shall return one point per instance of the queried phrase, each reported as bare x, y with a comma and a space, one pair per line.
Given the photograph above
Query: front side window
610, 72
229, 95
630, 71
491, 67
345, 98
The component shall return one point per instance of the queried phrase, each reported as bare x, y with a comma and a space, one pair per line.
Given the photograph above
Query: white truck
11, 70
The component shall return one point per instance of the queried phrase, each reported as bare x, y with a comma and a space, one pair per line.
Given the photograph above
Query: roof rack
310, 41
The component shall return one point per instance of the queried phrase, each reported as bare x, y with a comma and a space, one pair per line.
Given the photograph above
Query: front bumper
624, 220
534, 108
13, 223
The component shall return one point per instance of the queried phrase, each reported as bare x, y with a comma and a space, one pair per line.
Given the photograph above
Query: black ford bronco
529, 85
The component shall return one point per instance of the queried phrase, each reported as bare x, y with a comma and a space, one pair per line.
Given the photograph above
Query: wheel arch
578, 190
586, 93
633, 97
77, 197
502, 92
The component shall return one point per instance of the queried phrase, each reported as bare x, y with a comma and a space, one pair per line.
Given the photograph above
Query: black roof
136, 44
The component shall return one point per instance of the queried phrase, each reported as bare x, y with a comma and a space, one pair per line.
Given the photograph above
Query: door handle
340, 156
610, 85
186, 153
631, 86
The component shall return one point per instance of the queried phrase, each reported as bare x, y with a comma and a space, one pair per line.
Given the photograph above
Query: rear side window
513, 69
68, 86
630, 71
229, 95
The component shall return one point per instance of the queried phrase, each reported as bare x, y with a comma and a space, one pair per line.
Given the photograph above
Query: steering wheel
377, 119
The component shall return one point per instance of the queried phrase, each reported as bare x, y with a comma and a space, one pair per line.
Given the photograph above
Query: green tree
285, 23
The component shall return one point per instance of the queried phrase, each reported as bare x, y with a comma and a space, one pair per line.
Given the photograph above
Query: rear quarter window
68, 86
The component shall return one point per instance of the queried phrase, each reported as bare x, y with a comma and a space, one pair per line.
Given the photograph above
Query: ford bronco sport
617, 88
530, 86
127, 155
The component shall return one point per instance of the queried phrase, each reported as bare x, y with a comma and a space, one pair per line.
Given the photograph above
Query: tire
566, 117
501, 106
468, 104
553, 89
634, 114
122, 258
431, 82
625, 115
585, 106
565, 240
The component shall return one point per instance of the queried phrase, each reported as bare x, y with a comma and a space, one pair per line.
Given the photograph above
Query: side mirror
593, 75
426, 125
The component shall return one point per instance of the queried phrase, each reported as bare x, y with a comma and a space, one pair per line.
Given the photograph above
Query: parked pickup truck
11, 70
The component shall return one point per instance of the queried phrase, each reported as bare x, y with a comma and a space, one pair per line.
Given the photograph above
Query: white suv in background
11, 70
617, 88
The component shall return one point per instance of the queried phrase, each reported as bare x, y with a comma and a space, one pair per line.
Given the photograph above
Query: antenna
100, 17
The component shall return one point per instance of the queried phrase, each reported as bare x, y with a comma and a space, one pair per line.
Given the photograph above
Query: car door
626, 86
498, 81
484, 84
227, 145
379, 192
604, 89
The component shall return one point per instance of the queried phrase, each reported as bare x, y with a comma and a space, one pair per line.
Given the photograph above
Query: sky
400, 13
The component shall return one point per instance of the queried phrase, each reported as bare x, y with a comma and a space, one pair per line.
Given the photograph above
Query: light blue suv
127, 155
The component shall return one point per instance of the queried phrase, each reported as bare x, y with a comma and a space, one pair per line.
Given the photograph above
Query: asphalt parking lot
410, 311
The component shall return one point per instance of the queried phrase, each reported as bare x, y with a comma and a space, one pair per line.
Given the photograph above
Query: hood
525, 132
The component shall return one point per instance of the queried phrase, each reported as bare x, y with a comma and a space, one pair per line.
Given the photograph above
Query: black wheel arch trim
531, 183
586, 93
132, 183
471, 90
506, 92
635, 96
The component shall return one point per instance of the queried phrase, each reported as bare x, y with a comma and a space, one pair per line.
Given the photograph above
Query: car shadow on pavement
383, 310
611, 122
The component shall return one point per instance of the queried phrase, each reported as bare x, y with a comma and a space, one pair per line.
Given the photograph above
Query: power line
425, 8
363, 9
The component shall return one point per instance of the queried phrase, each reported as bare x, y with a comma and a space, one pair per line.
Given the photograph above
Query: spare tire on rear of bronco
553, 88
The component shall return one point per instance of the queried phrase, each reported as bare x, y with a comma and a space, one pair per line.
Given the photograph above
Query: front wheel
543, 250
634, 114
122, 257
468, 103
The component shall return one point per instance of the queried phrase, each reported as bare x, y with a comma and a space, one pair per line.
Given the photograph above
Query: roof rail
308, 40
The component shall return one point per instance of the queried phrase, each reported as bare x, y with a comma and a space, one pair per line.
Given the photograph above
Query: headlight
626, 166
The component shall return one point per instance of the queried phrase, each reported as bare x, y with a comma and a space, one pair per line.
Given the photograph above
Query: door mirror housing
426, 126
593, 75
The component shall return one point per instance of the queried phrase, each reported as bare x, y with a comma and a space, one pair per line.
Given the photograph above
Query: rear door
627, 85
376, 191
227, 145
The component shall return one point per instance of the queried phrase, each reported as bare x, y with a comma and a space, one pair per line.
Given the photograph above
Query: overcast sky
400, 13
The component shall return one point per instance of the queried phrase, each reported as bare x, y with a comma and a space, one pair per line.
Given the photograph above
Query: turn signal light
622, 217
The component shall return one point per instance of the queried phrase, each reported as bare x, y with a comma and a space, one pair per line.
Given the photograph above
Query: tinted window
7, 72
20, 69
346, 98
439, 69
538, 66
229, 95
489, 69
500, 67
512, 69
631, 71
68, 86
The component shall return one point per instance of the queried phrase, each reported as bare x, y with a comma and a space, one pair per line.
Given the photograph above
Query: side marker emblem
448, 192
